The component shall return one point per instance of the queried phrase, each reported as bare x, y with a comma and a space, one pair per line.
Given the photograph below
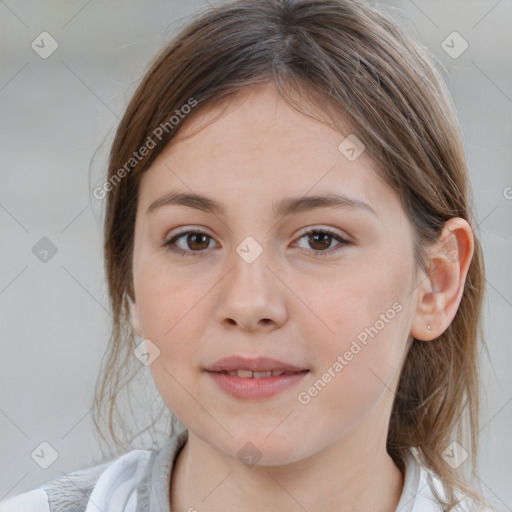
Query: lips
257, 378
254, 379
259, 367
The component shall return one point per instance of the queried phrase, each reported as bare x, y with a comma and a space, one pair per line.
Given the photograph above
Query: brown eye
189, 243
320, 241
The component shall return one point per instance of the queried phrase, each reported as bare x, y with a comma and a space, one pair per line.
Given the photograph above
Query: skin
291, 303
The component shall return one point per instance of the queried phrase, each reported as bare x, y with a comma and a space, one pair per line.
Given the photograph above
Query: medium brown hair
355, 63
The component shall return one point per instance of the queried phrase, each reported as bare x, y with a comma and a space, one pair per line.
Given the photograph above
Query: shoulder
71, 492
135, 482
424, 490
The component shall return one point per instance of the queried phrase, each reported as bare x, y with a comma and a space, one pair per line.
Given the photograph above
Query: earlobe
135, 319
440, 291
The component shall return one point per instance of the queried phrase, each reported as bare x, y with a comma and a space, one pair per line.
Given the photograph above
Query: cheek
357, 366
169, 302
366, 311
173, 309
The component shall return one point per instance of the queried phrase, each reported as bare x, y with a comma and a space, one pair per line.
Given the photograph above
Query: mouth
257, 378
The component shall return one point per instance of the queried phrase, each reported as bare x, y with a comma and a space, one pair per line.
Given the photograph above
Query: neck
354, 473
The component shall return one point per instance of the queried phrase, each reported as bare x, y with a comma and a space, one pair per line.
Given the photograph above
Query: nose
251, 298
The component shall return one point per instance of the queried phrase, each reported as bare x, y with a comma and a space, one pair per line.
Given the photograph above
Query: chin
264, 450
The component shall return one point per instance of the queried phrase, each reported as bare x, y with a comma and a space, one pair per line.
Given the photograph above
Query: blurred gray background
57, 110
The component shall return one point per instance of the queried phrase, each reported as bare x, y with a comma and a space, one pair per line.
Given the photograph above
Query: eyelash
170, 244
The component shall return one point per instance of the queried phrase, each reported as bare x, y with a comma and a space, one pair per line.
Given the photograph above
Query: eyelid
186, 230
322, 228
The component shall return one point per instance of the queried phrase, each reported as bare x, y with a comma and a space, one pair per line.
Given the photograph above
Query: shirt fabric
139, 482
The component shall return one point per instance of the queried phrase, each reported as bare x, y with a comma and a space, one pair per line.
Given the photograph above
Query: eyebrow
282, 208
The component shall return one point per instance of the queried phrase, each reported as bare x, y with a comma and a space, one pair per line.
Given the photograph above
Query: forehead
260, 121
255, 143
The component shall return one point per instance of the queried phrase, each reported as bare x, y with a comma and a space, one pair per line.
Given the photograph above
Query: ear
440, 291
135, 319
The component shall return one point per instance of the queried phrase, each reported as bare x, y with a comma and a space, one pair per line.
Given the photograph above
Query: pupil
193, 239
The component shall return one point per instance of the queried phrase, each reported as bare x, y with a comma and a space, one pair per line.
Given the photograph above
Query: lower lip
251, 388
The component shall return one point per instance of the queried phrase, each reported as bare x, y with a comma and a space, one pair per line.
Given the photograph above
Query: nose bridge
250, 267
251, 295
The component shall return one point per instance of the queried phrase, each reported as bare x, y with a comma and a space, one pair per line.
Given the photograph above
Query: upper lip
258, 364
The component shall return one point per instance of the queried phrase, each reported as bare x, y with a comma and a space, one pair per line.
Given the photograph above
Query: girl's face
337, 303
